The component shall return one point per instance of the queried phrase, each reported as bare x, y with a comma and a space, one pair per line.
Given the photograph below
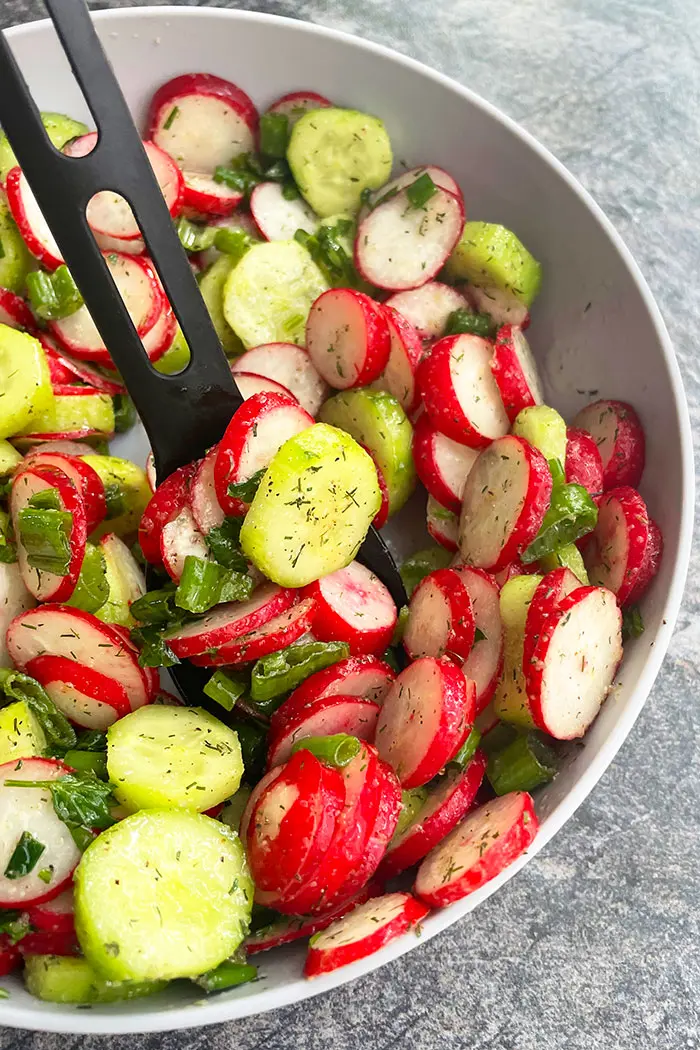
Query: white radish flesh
494, 498
180, 539
14, 599
205, 507
289, 365
250, 384
277, 218
206, 131
428, 308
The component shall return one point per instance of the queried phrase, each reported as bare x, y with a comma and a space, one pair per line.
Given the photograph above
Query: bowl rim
220, 1009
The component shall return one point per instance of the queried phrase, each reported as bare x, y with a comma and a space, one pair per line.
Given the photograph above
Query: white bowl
595, 328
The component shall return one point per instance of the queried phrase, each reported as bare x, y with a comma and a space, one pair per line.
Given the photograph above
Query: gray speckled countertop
596, 943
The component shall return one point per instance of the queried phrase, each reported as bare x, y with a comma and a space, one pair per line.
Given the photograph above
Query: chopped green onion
2, 250
45, 537
226, 689
420, 191
337, 750
274, 134
154, 650
46, 874
233, 242
498, 738
465, 322
53, 295
14, 925
193, 236
79, 799
206, 583
124, 413
252, 736
227, 975
223, 542
57, 729
278, 172
172, 115
290, 191
155, 607
421, 564
245, 490
278, 673
330, 255
47, 499
390, 656
632, 623
467, 750
400, 628
479, 636
522, 765
92, 589
571, 515
412, 802
24, 857
8, 551
87, 762
116, 500
556, 469
92, 740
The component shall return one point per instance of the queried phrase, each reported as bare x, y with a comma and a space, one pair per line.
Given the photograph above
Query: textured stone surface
595, 944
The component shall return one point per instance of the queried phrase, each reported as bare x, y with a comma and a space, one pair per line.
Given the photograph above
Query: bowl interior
595, 332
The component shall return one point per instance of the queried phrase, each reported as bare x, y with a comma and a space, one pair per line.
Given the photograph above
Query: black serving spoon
183, 414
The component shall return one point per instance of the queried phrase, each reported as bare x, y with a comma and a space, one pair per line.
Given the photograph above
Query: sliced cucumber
510, 701
491, 256
268, 295
74, 413
21, 735
173, 756
15, 258
568, 556
336, 154
60, 130
9, 458
127, 490
176, 357
211, 285
313, 507
162, 894
544, 428
125, 581
24, 381
64, 979
377, 420
412, 802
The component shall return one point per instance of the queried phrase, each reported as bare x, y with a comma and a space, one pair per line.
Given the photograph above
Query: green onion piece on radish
223, 542
466, 322
274, 134
523, 765
44, 534
205, 583
233, 242
155, 607
154, 651
226, 689
571, 515
92, 589
420, 191
466, 751
227, 975
8, 551
57, 729
53, 295
278, 673
421, 564
47, 499
193, 236
24, 856
337, 750
498, 738
87, 762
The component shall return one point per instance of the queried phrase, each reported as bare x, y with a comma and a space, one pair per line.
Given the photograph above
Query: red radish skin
54, 916
47, 586
325, 717
278, 218
250, 384
15, 312
86, 697
459, 392
255, 795
574, 662
364, 931
296, 103
551, 592
31, 810
203, 195
442, 524
66, 448
364, 676
293, 823
480, 848
441, 463
86, 480
448, 802
294, 928
205, 507
399, 247
167, 502
406, 350
347, 337
10, 956
382, 516
353, 606
428, 308
228, 623
617, 431
426, 717
61, 630
64, 369
43, 943
277, 634
161, 335
484, 664
505, 500
583, 463
652, 561
30, 221
617, 551
257, 430
290, 365
438, 175
515, 371
179, 539
501, 305
514, 568
440, 617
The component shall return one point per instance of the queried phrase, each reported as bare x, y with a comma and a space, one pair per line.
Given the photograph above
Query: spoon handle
183, 414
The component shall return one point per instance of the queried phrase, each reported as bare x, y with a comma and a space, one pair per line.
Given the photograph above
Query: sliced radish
441, 463
47, 586
399, 246
616, 552
87, 482
296, 103
250, 384
514, 568
382, 831
10, 956
438, 175
505, 500
160, 337
252, 802
272, 636
459, 392
179, 539
515, 371
14, 312
294, 928
364, 676
583, 463
449, 801
382, 516
347, 337
138, 286
440, 617
54, 916
502, 305
203, 195
428, 308
278, 218
406, 350
325, 717
289, 365
66, 448
204, 505
14, 599
228, 623
239, 221
64, 369
84, 695
166, 503
652, 561
293, 823
574, 662
364, 931
354, 606
31, 810
551, 592
44, 943
30, 221
478, 849
425, 719
617, 431
151, 476
76, 635
442, 524
485, 661
257, 430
